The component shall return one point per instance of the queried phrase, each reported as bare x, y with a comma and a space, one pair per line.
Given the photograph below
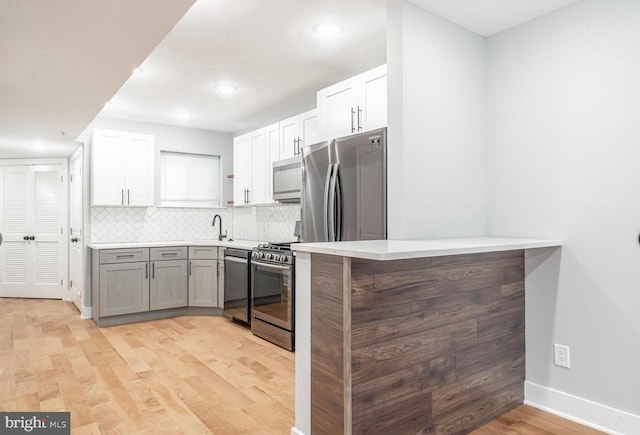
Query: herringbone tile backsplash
129, 224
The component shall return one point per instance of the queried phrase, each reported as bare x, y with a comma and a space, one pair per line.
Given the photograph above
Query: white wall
181, 139
564, 153
436, 117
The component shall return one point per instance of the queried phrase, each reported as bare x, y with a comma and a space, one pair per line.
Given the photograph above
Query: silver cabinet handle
128, 197
146, 271
353, 112
359, 119
191, 268
169, 253
153, 270
125, 256
122, 195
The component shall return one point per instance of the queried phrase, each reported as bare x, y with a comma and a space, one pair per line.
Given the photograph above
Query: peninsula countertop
384, 250
242, 244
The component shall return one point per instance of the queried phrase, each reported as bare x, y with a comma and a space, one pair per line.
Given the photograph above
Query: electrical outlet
561, 355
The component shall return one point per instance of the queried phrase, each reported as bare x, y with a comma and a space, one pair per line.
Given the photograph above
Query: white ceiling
266, 48
487, 17
60, 61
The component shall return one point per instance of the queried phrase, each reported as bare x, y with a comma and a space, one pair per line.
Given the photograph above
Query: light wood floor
189, 375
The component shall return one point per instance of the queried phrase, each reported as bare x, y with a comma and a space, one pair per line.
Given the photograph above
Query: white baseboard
583, 411
295, 431
86, 313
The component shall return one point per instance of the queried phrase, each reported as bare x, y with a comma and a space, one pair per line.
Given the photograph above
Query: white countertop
243, 244
404, 249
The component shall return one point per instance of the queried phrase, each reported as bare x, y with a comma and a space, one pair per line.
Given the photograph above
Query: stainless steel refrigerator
344, 188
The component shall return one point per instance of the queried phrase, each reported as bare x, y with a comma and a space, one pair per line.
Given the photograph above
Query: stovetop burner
278, 247
279, 253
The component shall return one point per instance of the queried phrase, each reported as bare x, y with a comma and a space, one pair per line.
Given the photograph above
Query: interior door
33, 258
76, 247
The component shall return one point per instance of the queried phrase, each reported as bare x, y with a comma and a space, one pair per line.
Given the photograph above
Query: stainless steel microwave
287, 180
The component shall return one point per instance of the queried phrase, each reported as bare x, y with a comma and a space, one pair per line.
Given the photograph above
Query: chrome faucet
213, 224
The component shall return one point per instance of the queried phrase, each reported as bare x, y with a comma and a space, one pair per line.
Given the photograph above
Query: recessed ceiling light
108, 103
226, 88
182, 115
327, 28
138, 70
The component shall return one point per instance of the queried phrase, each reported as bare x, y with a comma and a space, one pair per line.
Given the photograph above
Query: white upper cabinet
251, 171
354, 105
272, 139
259, 168
308, 129
297, 132
241, 168
254, 154
122, 172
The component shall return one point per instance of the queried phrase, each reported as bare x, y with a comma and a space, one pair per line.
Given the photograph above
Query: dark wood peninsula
434, 344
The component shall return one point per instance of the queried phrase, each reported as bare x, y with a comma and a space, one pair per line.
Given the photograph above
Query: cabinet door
242, 168
288, 137
259, 163
272, 143
168, 284
203, 283
337, 109
308, 126
107, 168
124, 288
139, 163
372, 99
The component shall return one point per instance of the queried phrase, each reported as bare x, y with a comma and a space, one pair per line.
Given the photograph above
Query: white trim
295, 431
86, 313
583, 411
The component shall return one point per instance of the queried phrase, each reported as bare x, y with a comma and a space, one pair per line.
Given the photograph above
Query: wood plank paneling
437, 344
327, 345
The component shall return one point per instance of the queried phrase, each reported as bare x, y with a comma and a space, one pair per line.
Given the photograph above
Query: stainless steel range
272, 293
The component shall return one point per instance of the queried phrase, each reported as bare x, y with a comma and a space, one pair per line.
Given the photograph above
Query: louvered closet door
33, 206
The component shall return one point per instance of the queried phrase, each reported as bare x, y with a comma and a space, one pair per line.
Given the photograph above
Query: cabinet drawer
127, 255
169, 253
203, 252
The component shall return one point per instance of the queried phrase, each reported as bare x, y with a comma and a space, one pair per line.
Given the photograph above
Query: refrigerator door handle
333, 236
338, 204
327, 217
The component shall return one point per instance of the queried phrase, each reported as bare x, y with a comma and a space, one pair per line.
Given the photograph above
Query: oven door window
272, 297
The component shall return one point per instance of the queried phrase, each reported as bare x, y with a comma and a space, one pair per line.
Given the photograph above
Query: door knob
25, 238
32, 237
74, 240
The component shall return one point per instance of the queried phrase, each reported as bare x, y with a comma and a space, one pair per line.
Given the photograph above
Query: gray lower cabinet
124, 288
204, 276
168, 287
135, 284
168, 284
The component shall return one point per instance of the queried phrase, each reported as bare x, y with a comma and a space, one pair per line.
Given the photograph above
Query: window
189, 180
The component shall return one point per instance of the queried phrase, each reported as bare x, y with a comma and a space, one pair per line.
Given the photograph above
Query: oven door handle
271, 266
